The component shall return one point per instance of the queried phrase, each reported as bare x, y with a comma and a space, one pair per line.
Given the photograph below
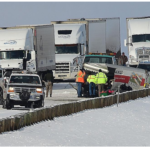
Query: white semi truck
76, 38
33, 43
138, 40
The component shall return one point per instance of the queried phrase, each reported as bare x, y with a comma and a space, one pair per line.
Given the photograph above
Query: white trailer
75, 38
35, 43
138, 40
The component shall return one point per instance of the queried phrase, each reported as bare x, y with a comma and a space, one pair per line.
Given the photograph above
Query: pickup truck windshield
141, 38
144, 66
18, 54
73, 49
98, 60
25, 79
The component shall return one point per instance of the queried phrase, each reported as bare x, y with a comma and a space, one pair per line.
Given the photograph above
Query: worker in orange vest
80, 81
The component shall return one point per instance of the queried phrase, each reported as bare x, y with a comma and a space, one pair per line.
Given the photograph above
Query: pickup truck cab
100, 60
24, 89
108, 59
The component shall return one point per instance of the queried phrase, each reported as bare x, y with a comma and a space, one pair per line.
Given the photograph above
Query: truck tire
7, 103
1, 96
41, 101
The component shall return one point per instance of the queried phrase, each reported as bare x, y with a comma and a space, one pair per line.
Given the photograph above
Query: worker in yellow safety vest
91, 80
100, 80
80, 81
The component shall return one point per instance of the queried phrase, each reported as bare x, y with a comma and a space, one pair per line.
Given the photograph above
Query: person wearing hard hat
91, 80
80, 80
100, 80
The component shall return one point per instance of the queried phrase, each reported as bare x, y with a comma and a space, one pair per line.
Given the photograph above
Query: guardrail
48, 113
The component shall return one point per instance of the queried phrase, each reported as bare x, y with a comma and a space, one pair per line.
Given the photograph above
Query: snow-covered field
126, 125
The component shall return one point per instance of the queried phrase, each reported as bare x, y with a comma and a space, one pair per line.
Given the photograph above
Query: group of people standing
94, 79
99, 79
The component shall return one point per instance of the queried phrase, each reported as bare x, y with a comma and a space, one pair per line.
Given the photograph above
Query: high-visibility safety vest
80, 76
101, 78
91, 78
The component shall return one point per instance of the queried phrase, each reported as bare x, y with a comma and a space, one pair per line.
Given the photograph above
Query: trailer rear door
45, 48
97, 37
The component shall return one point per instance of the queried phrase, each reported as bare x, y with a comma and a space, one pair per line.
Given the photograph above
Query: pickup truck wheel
41, 102
1, 96
7, 104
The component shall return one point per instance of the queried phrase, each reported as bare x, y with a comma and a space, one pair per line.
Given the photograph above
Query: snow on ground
126, 125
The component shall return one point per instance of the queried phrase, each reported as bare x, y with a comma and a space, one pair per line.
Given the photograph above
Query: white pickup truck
24, 89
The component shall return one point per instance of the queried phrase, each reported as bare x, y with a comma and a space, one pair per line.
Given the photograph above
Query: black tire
41, 101
1, 96
7, 104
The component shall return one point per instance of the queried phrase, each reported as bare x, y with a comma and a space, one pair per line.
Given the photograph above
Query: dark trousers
79, 88
92, 92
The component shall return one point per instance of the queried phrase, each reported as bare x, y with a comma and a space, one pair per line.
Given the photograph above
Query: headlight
11, 89
39, 90
132, 57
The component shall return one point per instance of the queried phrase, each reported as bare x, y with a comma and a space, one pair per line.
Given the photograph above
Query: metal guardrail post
118, 95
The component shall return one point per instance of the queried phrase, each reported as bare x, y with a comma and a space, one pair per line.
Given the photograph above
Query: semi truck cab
17, 44
70, 42
138, 39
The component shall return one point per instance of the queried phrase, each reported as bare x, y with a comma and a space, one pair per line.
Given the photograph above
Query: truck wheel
7, 104
41, 102
1, 96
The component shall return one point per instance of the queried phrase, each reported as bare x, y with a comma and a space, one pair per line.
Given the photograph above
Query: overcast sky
23, 13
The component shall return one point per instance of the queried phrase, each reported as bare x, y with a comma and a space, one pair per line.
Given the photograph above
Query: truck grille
143, 51
18, 90
62, 68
